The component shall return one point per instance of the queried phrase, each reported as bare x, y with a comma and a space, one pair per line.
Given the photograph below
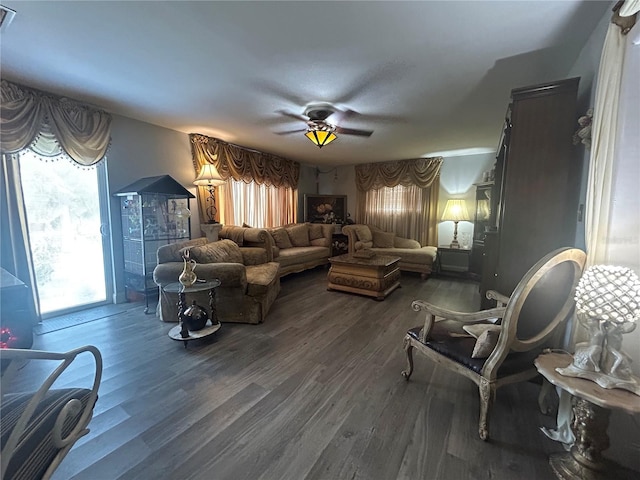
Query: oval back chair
512, 334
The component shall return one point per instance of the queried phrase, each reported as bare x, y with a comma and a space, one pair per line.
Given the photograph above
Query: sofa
294, 247
249, 282
413, 256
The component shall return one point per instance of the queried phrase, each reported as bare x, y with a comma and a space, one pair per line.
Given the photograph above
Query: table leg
184, 331
584, 461
212, 307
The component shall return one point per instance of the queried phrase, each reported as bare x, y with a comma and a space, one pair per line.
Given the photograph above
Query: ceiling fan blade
353, 131
349, 113
287, 113
287, 132
277, 90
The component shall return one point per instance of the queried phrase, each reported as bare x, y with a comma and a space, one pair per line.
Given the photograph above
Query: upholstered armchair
39, 428
249, 284
498, 346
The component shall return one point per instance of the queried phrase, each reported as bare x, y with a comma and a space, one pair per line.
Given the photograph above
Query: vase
196, 317
188, 276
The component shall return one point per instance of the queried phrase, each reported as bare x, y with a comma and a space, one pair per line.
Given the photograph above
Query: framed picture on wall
325, 208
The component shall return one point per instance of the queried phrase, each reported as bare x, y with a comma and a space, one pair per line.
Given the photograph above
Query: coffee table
376, 277
181, 331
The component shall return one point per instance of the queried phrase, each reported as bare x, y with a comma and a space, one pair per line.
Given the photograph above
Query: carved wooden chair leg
409, 349
487, 396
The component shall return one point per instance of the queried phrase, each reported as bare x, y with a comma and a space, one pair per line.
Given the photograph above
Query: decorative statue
608, 306
188, 276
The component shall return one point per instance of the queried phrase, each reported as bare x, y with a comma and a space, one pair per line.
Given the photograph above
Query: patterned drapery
52, 126
420, 171
241, 164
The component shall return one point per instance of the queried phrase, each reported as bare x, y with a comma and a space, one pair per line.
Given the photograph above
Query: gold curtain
241, 164
400, 196
52, 126
420, 171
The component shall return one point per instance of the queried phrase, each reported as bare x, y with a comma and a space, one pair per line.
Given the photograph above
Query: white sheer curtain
398, 209
257, 205
613, 200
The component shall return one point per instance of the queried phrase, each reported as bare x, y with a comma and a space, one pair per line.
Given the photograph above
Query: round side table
181, 331
592, 406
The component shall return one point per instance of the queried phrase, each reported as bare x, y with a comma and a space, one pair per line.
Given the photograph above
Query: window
257, 205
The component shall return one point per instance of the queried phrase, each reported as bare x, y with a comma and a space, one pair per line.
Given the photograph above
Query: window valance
420, 171
242, 164
52, 126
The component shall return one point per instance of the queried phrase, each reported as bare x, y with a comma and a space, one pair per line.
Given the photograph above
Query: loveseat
249, 282
295, 247
413, 256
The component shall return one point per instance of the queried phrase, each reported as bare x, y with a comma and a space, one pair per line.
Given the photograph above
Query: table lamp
608, 306
455, 210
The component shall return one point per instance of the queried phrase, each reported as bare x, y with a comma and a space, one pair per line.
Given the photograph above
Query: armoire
537, 182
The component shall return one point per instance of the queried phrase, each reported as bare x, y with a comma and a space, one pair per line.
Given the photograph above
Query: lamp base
454, 244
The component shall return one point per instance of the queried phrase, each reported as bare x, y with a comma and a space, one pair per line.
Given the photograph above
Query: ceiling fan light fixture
321, 133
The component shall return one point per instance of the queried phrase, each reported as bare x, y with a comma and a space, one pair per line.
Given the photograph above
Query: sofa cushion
315, 231
281, 237
400, 242
363, 233
421, 256
222, 251
299, 235
300, 255
253, 255
383, 239
173, 252
321, 242
260, 278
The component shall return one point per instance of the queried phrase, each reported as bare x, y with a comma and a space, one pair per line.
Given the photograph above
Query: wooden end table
592, 406
181, 331
376, 277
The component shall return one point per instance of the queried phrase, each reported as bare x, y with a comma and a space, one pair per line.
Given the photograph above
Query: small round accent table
592, 406
181, 332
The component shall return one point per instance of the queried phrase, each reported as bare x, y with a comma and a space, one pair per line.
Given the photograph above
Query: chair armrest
17, 358
500, 298
437, 314
259, 237
229, 274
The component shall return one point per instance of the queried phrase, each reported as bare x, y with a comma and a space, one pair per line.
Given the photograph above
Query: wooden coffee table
374, 277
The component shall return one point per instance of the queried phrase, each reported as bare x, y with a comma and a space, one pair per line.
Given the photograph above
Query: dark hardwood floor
313, 393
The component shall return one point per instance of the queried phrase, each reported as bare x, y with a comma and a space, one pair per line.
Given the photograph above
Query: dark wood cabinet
483, 222
537, 182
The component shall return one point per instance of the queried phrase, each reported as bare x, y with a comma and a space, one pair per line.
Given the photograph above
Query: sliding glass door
66, 215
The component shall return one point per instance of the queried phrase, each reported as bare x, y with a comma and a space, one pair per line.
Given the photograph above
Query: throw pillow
299, 235
486, 338
222, 251
383, 239
364, 233
315, 231
361, 245
281, 237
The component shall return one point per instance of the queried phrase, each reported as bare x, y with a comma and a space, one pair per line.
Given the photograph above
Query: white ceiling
425, 76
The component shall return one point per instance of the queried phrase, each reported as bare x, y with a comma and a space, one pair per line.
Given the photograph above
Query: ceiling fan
320, 131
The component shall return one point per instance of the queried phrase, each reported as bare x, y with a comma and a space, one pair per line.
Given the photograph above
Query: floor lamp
455, 211
210, 178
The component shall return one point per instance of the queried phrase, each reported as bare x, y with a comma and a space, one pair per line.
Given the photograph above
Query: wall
139, 149
457, 178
